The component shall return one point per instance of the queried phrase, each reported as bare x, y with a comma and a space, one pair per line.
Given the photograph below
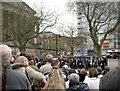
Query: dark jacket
102, 64
84, 86
110, 81
16, 80
75, 88
79, 87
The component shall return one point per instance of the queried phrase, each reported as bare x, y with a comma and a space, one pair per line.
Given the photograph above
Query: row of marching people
84, 62
24, 75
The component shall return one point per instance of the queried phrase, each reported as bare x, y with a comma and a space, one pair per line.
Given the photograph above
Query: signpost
106, 45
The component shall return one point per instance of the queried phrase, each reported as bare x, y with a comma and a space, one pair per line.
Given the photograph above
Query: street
113, 63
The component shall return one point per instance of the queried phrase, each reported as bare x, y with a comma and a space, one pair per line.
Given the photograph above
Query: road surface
113, 63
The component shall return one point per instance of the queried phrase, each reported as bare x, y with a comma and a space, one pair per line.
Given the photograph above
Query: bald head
5, 53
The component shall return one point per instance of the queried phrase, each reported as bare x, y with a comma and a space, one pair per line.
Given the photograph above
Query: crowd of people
25, 72
84, 62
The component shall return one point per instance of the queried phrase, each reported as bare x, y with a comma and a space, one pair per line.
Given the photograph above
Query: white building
83, 26
110, 43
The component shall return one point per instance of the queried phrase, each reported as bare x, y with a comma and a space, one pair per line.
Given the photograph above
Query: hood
18, 65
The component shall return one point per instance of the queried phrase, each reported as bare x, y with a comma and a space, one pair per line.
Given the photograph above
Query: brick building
50, 40
45, 38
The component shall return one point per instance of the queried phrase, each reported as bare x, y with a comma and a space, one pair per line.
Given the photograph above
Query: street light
57, 36
56, 46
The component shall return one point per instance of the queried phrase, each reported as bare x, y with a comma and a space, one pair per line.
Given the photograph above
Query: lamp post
56, 46
57, 36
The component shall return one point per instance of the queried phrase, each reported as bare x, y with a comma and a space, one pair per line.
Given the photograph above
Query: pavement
113, 63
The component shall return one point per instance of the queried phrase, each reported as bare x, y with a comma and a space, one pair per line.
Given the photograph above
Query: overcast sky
55, 5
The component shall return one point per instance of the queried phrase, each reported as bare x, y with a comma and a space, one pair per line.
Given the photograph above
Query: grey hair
49, 58
5, 52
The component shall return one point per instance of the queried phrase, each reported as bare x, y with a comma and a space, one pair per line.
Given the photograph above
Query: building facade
15, 17
83, 27
52, 41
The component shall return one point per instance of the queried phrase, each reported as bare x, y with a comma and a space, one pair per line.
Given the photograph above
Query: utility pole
1, 23
57, 36
56, 45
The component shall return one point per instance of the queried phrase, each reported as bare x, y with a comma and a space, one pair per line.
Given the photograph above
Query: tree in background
59, 44
73, 41
23, 26
101, 16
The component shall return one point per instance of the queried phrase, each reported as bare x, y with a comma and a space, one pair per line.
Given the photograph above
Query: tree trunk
22, 49
72, 52
97, 45
98, 52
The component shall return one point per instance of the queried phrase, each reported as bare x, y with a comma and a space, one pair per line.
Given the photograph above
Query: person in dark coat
74, 82
82, 74
94, 62
15, 80
74, 63
102, 63
110, 81
106, 70
79, 63
106, 61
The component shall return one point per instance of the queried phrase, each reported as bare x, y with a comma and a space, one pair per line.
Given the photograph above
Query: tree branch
109, 31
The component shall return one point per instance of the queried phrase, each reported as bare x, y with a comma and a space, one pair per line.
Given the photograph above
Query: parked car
114, 56
108, 56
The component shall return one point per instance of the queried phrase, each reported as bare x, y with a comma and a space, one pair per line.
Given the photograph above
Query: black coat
102, 64
79, 87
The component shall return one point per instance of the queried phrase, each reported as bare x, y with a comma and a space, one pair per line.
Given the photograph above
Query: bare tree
73, 41
21, 28
101, 16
